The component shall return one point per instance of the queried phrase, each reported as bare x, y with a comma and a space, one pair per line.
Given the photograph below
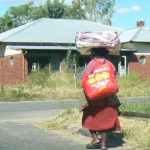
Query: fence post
1, 57
60, 68
49, 68
75, 72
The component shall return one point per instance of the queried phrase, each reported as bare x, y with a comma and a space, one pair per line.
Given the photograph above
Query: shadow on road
115, 140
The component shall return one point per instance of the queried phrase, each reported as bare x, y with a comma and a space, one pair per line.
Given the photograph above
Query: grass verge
138, 107
135, 130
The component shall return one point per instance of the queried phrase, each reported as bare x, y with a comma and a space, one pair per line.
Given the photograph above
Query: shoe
93, 146
117, 131
104, 148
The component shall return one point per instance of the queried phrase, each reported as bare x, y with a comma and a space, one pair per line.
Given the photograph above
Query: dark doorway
40, 59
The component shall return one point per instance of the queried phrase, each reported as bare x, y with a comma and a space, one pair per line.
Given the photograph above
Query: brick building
135, 55
38, 44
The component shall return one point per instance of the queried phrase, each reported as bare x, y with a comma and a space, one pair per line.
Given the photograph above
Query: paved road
20, 136
18, 130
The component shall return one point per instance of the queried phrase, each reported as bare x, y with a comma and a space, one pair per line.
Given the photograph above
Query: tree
54, 9
16, 16
74, 11
5, 23
95, 10
99, 10
37, 12
20, 15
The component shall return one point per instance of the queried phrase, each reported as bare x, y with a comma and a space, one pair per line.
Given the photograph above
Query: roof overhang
31, 47
128, 50
131, 41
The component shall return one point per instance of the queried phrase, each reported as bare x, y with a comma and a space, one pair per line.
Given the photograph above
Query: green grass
133, 85
45, 86
142, 107
135, 130
64, 119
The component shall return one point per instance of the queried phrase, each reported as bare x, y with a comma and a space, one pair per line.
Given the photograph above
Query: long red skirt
101, 117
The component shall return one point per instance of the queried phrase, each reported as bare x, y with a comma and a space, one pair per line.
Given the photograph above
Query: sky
127, 12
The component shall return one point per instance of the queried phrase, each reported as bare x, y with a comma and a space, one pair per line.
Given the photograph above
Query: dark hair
102, 52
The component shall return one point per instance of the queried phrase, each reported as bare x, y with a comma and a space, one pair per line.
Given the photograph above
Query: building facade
39, 44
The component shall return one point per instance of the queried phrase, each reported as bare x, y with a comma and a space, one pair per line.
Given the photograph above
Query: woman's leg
95, 141
104, 136
95, 138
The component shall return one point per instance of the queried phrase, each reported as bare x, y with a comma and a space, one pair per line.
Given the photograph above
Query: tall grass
64, 119
53, 81
138, 107
133, 85
43, 85
136, 131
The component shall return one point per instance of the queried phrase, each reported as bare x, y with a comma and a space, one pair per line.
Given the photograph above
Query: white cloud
136, 8
124, 10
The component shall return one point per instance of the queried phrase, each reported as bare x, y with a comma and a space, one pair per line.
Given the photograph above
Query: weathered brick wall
135, 66
15, 71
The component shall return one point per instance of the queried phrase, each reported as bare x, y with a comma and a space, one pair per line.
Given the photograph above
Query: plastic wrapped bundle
106, 39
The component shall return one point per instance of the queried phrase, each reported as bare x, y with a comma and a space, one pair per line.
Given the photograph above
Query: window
11, 60
142, 60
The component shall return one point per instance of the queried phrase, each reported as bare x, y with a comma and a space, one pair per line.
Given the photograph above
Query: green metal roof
46, 30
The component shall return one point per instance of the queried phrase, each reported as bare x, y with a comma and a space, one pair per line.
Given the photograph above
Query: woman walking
100, 116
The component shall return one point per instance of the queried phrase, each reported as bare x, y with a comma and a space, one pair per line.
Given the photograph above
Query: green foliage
100, 10
2, 91
71, 61
130, 80
16, 16
6, 23
96, 10
133, 85
52, 80
53, 85
19, 94
37, 13
54, 9
38, 78
137, 107
74, 12
14, 93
